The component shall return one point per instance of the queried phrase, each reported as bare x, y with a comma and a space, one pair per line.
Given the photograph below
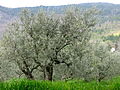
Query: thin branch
34, 68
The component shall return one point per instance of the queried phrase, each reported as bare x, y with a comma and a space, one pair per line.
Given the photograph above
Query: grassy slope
23, 84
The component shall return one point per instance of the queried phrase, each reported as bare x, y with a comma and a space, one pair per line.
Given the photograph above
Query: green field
23, 84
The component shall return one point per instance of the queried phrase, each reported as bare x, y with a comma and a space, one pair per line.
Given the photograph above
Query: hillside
109, 11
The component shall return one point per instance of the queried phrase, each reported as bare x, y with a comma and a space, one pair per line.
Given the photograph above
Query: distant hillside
108, 11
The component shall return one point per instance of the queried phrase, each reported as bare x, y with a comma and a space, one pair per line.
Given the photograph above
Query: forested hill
108, 11
107, 8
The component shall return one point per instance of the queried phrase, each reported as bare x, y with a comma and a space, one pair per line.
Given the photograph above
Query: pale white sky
30, 3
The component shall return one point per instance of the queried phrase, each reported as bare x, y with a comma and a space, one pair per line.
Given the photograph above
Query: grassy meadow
23, 84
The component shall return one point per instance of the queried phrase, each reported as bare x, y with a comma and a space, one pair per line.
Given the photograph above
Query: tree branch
35, 67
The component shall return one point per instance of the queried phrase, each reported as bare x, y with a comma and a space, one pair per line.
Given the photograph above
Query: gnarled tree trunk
29, 76
48, 74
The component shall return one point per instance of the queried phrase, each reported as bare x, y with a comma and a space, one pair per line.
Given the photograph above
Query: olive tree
42, 40
102, 62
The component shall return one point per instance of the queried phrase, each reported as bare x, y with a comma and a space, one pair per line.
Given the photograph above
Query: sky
31, 3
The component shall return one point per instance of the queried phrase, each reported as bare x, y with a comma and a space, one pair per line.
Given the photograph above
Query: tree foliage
42, 40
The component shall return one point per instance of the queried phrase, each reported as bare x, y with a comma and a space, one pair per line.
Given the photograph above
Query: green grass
23, 84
